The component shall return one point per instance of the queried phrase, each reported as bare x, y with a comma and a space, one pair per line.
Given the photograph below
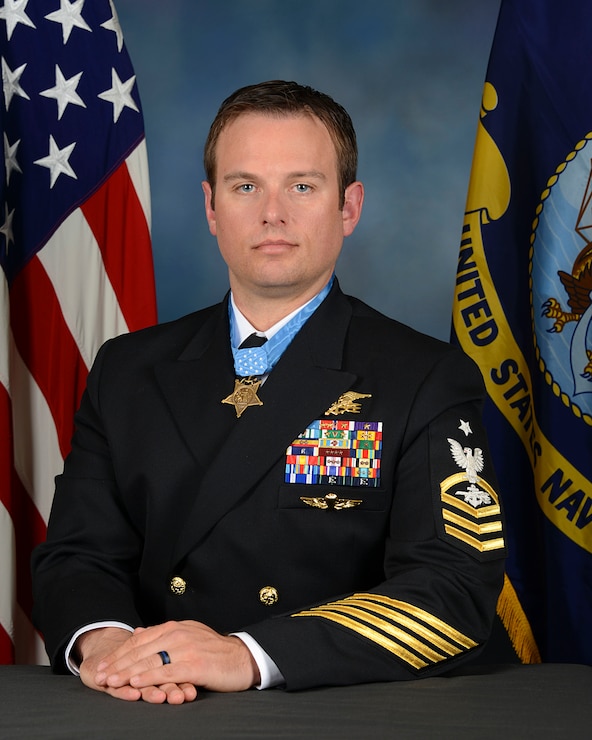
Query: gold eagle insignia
577, 285
330, 501
346, 403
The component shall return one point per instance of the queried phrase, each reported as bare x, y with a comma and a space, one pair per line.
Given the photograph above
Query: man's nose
274, 207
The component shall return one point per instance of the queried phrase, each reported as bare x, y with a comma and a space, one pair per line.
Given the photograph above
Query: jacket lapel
195, 382
306, 381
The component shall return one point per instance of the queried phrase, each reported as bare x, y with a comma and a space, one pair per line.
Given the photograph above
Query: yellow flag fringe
516, 623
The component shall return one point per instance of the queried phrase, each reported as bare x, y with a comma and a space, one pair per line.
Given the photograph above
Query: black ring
165, 657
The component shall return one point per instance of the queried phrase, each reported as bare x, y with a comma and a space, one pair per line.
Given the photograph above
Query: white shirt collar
243, 328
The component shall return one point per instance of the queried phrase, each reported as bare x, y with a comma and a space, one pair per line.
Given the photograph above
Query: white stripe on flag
29, 647
37, 456
4, 332
74, 264
137, 165
7, 570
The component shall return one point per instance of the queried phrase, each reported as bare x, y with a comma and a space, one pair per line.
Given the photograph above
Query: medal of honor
244, 395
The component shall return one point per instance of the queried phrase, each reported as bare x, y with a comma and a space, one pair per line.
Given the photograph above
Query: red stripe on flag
47, 347
28, 524
116, 218
6, 462
30, 531
6, 648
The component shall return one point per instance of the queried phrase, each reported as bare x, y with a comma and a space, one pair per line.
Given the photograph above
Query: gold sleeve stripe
466, 522
410, 624
486, 528
481, 513
390, 629
486, 546
360, 610
370, 634
422, 614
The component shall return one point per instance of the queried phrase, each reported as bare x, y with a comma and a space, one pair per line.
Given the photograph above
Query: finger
149, 694
171, 693
176, 694
127, 693
120, 672
190, 691
153, 694
158, 676
141, 643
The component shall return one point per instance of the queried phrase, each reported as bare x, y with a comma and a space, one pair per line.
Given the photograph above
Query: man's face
277, 217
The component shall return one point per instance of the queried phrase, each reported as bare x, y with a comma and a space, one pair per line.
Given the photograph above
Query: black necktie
253, 340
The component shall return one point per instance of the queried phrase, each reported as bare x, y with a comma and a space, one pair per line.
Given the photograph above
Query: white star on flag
11, 84
57, 161
13, 13
69, 15
10, 162
64, 91
119, 94
113, 25
6, 227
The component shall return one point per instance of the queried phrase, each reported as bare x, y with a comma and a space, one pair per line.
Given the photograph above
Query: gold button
268, 595
178, 585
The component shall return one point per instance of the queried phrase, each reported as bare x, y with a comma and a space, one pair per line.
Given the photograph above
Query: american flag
75, 256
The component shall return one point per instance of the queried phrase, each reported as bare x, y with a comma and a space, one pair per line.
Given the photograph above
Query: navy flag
523, 311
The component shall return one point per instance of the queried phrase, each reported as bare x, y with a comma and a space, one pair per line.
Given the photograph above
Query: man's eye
302, 187
246, 188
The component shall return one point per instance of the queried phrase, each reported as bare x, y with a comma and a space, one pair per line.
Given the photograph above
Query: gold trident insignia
346, 404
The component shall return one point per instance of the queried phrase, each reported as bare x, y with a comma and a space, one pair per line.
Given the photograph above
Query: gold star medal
244, 395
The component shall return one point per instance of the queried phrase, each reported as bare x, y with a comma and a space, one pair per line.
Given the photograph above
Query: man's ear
352, 206
209, 206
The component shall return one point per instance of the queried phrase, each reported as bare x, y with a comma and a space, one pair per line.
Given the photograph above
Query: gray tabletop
507, 701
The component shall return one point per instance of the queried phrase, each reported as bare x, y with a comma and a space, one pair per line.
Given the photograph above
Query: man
317, 510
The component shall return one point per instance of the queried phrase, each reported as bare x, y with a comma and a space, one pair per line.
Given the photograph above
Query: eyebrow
311, 174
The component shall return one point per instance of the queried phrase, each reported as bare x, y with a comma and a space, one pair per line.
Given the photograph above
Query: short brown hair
279, 98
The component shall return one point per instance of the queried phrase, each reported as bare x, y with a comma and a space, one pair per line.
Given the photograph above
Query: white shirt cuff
70, 662
268, 670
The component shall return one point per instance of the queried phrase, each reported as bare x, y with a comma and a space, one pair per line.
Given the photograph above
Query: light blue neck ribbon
261, 360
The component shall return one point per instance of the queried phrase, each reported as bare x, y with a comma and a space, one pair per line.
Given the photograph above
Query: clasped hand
128, 666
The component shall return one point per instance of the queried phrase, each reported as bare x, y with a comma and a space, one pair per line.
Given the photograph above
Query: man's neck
263, 312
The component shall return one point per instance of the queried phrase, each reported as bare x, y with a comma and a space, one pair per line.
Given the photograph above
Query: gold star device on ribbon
244, 395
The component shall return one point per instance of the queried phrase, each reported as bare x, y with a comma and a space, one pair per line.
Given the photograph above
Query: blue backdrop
410, 72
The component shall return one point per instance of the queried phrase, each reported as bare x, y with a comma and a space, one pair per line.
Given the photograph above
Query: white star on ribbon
64, 91
13, 13
6, 227
10, 163
57, 161
119, 95
113, 25
11, 84
69, 16
465, 427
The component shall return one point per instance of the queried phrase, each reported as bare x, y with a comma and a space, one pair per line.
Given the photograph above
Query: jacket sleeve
443, 558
